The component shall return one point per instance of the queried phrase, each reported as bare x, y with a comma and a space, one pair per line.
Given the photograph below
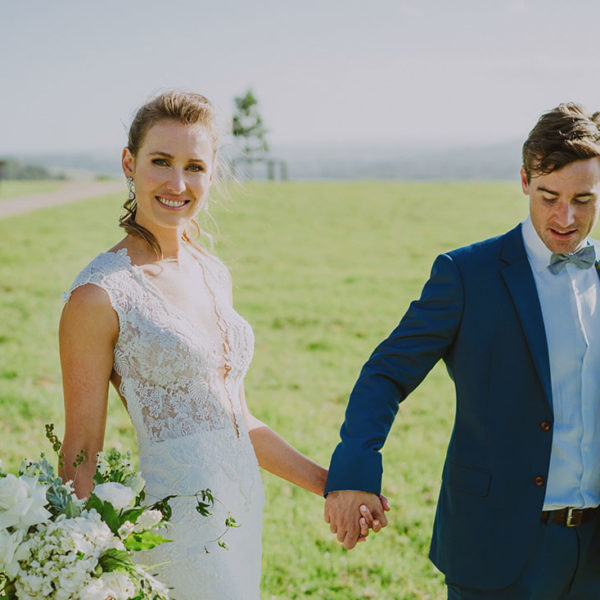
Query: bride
154, 316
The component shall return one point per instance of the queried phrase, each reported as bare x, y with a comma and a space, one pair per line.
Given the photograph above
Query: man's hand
343, 511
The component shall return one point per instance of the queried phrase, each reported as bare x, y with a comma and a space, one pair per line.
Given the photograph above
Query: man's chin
563, 244
564, 248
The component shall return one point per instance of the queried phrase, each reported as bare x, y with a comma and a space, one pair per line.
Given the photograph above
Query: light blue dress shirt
570, 302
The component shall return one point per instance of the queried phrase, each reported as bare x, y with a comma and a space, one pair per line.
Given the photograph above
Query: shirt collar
538, 253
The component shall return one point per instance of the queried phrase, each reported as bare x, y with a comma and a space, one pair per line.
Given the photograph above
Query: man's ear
127, 162
524, 181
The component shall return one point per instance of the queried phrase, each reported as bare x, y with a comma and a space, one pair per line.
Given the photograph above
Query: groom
516, 319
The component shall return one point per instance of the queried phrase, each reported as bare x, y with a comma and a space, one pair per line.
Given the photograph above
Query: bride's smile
171, 204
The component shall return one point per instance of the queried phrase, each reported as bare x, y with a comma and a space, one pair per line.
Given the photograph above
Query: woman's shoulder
107, 271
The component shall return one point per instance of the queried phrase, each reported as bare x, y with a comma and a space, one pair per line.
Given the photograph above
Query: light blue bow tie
583, 259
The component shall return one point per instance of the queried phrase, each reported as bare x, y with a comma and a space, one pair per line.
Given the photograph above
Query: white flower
120, 496
22, 502
119, 586
148, 520
95, 590
9, 542
125, 529
89, 533
59, 559
102, 465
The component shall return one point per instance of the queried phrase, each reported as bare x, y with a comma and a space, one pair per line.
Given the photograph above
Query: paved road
70, 192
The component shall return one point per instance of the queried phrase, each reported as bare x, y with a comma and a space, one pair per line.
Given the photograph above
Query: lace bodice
168, 397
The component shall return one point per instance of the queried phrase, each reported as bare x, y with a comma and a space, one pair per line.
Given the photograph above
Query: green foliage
56, 445
248, 127
115, 560
109, 515
205, 502
322, 271
7, 589
57, 494
164, 507
144, 541
117, 467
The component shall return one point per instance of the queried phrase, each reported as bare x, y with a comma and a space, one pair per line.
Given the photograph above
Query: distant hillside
494, 162
79, 164
342, 161
16, 169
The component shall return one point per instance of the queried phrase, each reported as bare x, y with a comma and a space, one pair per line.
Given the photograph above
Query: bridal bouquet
55, 545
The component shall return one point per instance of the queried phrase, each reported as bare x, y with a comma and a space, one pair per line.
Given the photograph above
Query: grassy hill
323, 271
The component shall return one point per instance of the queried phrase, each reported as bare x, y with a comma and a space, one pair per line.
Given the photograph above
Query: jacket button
539, 481
545, 426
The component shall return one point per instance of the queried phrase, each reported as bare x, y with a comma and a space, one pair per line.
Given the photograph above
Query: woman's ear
127, 162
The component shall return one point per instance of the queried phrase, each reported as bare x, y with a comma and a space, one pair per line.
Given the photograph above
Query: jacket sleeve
395, 368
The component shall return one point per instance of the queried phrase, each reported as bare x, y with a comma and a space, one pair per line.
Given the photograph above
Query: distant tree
248, 128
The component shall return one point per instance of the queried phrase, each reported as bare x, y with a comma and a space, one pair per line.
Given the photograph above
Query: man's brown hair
561, 136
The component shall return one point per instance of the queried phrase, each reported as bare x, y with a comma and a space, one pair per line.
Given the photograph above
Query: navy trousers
565, 565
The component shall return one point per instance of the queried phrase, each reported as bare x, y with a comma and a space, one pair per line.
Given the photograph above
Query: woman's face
172, 172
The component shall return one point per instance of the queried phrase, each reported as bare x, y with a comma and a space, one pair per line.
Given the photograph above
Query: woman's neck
172, 247
169, 239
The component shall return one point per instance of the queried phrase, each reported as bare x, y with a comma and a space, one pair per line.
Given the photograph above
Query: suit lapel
518, 277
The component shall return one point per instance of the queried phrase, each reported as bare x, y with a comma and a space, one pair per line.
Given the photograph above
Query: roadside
72, 191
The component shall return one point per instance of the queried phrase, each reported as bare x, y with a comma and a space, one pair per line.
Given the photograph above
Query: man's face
564, 204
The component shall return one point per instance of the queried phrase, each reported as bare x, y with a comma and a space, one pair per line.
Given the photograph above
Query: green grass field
323, 271
12, 187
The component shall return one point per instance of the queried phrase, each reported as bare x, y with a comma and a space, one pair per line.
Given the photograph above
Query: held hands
350, 514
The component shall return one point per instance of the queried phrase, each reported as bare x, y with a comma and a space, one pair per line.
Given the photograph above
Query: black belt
570, 517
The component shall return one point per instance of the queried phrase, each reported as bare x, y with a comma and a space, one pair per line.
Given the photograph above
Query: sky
352, 72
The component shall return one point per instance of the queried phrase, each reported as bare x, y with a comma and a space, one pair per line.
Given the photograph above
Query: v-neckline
170, 308
217, 350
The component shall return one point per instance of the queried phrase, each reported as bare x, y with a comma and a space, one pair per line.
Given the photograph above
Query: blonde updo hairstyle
184, 107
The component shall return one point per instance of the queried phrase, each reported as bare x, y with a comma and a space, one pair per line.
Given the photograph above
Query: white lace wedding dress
190, 429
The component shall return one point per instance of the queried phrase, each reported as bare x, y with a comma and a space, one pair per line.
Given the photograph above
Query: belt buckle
574, 516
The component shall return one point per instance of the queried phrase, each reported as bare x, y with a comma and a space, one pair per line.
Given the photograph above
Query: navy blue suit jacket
480, 313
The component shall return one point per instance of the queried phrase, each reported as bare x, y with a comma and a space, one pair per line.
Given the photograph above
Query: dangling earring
131, 187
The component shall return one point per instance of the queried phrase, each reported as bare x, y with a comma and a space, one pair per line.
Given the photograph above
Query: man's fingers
385, 502
364, 528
